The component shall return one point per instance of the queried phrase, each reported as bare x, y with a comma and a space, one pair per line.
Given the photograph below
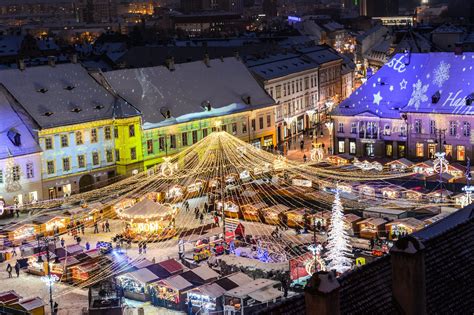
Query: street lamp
49, 279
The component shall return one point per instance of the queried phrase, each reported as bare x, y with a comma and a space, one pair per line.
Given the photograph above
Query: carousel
149, 220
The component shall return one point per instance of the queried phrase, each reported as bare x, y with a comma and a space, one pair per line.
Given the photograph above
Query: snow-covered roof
63, 95
408, 82
177, 282
141, 275
10, 45
320, 54
448, 28
266, 295
446, 223
255, 285
224, 84
205, 273
31, 304
11, 122
211, 289
271, 68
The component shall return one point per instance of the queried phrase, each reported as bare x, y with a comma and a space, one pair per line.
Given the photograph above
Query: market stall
295, 218
38, 263
366, 191
135, 284
170, 292
84, 271
271, 215
175, 193
391, 192
250, 212
231, 208
400, 227
149, 220
87, 213
200, 275
17, 233
208, 246
372, 227
350, 223
195, 189
207, 297
48, 224
62, 267
321, 219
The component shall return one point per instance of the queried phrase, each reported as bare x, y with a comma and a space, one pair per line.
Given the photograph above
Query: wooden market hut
250, 212
372, 227
403, 226
391, 192
350, 223
295, 218
323, 217
200, 275
399, 165
17, 233
135, 284
48, 223
170, 292
271, 215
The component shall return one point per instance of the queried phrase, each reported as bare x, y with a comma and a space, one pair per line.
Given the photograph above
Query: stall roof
172, 266
9, 296
259, 205
266, 295
374, 221
146, 208
205, 273
382, 211
158, 270
141, 263
277, 208
255, 285
31, 304
239, 278
141, 275
211, 289
46, 218
177, 282
351, 217
410, 222
192, 277
68, 261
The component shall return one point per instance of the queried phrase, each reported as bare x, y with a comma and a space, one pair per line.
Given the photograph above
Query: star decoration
403, 84
377, 98
391, 88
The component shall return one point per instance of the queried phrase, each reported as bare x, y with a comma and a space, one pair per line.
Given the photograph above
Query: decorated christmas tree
339, 246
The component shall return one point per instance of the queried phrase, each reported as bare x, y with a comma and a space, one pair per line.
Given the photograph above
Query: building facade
413, 107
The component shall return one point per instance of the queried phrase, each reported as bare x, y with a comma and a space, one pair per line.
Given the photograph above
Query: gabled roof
271, 67
62, 95
408, 82
184, 91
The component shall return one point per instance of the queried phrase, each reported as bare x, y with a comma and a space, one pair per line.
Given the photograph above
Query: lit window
419, 149
95, 158
93, 135
64, 141
66, 164
133, 153
81, 161
30, 172
461, 153
340, 146
79, 138
107, 133
352, 147
448, 149
48, 143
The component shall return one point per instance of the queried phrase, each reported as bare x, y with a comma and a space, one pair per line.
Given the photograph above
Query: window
149, 146
461, 153
340, 146
131, 131
386, 130
269, 120
16, 173
419, 149
66, 164
184, 138
173, 141
109, 156
403, 131
81, 161
353, 127
452, 128
116, 133
195, 136
306, 83
107, 133
418, 126
64, 141
432, 127
79, 140
352, 147
48, 143
30, 172
244, 127
93, 135
466, 130
260, 122
234, 128
340, 127
161, 143
1, 177
117, 155
95, 158
448, 149
253, 124
389, 150
133, 153
50, 167
278, 91
224, 128
204, 132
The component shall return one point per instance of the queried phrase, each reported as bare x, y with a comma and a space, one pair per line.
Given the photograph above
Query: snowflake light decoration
419, 94
441, 73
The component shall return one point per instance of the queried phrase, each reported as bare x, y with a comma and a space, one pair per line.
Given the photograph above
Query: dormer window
47, 114
69, 88
99, 107
14, 137
436, 97
470, 99
76, 110
42, 90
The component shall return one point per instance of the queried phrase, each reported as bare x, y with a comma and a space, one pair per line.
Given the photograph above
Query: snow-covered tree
339, 246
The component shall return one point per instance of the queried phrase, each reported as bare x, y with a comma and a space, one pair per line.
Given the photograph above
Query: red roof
9, 297
172, 266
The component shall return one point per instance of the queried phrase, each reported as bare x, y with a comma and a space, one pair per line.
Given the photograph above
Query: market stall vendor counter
48, 224
271, 215
21, 232
295, 218
62, 268
170, 292
200, 275
135, 284
231, 208
38, 263
372, 227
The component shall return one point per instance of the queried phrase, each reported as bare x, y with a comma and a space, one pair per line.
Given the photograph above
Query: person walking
9, 270
140, 248
144, 248
14, 251
201, 218
96, 227
304, 158
216, 220
88, 246
107, 226
103, 226
78, 240
17, 269
62, 242
17, 211
82, 228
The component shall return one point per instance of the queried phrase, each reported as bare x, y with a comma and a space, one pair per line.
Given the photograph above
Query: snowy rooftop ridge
408, 82
226, 85
65, 94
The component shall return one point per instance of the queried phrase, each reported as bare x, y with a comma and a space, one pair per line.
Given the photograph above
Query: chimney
170, 64
21, 64
52, 61
322, 294
408, 276
74, 58
206, 60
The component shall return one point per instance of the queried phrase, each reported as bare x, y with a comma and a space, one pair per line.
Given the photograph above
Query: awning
266, 295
